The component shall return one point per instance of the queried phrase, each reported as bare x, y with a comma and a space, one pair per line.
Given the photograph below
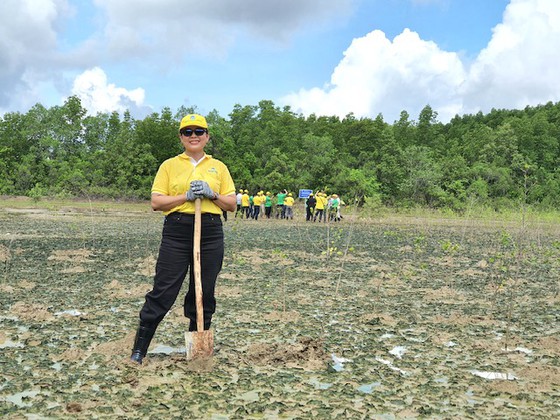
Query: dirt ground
376, 319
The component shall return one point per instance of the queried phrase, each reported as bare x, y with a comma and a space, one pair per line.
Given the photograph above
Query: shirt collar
194, 162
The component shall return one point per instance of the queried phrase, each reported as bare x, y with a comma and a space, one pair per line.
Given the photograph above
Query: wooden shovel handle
196, 268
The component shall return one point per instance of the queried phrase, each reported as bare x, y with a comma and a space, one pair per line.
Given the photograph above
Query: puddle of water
11, 344
391, 366
162, 349
71, 312
471, 398
368, 388
250, 396
21, 398
494, 375
338, 362
216, 416
398, 351
318, 384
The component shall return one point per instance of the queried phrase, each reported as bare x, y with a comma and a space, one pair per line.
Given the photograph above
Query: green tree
422, 183
160, 133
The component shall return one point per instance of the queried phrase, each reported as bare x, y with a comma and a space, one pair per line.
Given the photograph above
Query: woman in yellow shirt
245, 204
179, 181
258, 199
289, 203
320, 207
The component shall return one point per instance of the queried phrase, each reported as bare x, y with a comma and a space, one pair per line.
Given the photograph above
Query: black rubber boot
144, 336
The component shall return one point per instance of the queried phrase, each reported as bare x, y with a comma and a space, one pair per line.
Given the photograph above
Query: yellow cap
193, 120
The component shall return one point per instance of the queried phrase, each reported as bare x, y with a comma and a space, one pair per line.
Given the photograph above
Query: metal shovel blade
199, 344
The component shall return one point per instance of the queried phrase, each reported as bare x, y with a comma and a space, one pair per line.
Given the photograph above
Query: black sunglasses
187, 132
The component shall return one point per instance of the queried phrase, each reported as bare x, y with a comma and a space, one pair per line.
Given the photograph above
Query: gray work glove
191, 195
202, 189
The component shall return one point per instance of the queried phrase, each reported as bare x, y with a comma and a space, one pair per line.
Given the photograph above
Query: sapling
347, 246
510, 282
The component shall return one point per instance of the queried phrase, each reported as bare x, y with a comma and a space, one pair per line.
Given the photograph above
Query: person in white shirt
238, 200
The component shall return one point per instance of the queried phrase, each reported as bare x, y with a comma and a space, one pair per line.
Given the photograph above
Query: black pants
310, 211
175, 258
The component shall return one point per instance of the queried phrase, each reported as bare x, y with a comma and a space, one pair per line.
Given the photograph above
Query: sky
322, 57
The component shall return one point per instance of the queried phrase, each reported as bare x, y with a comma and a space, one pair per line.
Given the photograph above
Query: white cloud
97, 95
38, 49
377, 75
28, 42
519, 67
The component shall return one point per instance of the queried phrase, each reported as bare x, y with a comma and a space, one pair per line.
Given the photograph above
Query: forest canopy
499, 159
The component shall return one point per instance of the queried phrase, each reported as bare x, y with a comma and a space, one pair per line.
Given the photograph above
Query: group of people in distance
323, 206
317, 206
261, 203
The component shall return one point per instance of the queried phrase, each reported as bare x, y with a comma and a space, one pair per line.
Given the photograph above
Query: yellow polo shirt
174, 177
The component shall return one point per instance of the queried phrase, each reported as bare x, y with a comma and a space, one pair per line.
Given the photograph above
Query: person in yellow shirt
179, 181
289, 203
245, 209
257, 199
320, 207
263, 199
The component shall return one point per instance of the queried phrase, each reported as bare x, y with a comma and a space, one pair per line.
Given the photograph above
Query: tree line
497, 159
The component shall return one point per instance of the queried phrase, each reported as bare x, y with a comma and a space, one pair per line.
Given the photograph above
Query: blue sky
328, 57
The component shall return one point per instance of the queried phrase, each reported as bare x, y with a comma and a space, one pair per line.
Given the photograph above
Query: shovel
198, 343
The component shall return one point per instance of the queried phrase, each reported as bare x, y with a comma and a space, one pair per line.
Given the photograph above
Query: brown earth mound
307, 353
